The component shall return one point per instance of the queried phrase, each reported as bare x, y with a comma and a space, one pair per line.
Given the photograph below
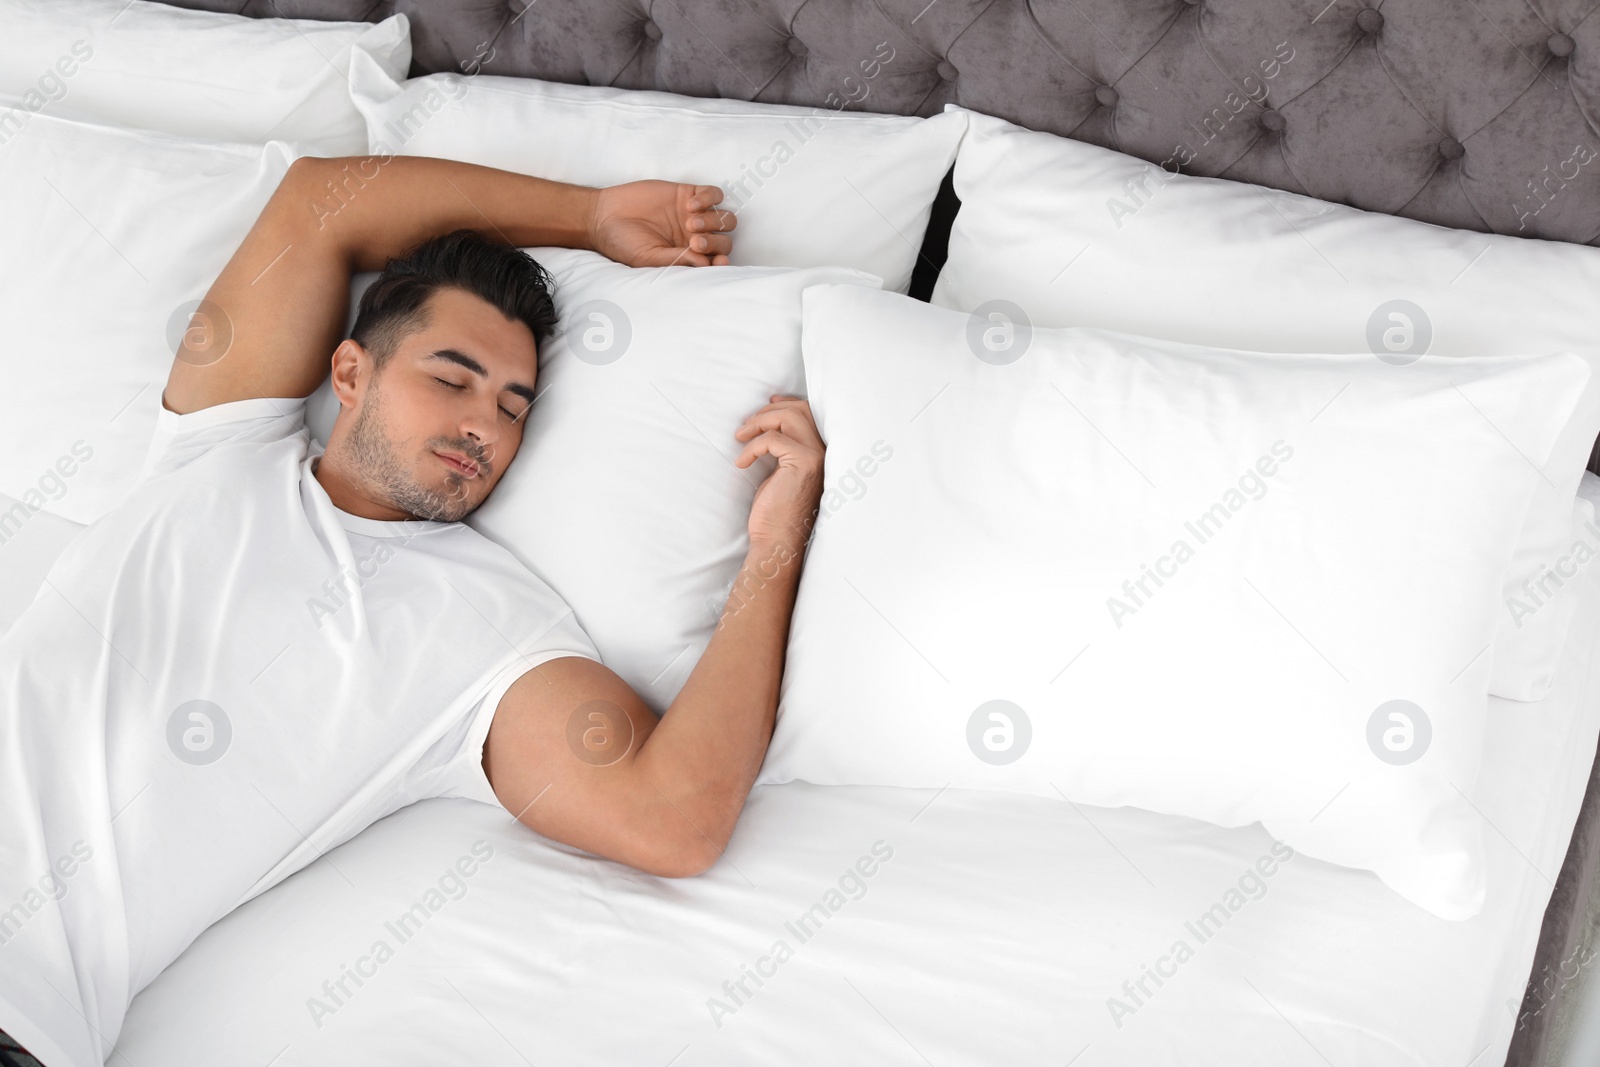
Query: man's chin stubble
375, 463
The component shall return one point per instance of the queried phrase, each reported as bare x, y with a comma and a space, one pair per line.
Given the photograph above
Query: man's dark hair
395, 305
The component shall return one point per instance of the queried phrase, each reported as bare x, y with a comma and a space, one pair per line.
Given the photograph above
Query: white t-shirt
218, 681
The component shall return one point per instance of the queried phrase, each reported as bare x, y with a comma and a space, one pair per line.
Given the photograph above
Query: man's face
436, 427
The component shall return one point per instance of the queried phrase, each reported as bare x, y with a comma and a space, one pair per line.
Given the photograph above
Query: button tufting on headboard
1372, 91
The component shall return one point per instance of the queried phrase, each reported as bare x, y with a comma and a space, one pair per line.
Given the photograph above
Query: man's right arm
271, 320
577, 756
661, 796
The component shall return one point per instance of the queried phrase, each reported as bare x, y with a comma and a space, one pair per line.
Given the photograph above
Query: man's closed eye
453, 385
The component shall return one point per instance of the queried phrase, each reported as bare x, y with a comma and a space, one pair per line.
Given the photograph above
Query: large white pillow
1122, 570
624, 496
198, 73
812, 186
1069, 234
112, 236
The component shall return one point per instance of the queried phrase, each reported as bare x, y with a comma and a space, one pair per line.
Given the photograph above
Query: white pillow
197, 73
1006, 605
112, 236
812, 186
624, 496
1076, 235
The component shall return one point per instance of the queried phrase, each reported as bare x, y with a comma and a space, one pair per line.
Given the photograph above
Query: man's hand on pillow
786, 502
659, 224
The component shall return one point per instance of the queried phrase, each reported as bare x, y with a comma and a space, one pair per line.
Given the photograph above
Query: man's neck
346, 495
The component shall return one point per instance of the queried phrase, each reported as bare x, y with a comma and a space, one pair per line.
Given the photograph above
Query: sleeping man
178, 732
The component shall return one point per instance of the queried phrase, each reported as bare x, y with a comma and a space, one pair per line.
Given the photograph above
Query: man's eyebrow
451, 355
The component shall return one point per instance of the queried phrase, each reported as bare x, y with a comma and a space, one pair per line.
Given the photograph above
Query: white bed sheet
997, 933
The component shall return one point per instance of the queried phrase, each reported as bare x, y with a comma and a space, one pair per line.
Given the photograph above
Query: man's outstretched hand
661, 224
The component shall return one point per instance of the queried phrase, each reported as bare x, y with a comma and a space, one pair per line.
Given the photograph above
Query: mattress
882, 925
879, 925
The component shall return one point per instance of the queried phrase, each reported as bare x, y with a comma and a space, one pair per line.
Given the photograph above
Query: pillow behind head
624, 496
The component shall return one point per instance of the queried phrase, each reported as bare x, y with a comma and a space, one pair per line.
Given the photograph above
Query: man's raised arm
270, 322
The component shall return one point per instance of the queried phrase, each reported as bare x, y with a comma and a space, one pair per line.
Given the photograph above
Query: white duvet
879, 925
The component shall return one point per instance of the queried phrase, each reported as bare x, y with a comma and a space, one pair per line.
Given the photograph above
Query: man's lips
460, 464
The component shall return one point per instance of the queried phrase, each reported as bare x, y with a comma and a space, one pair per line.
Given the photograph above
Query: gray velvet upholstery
1479, 114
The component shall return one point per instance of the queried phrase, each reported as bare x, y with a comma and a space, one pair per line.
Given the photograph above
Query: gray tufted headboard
1477, 114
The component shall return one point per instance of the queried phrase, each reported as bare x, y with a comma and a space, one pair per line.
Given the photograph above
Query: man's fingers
780, 402
772, 443
786, 419
711, 244
708, 227
715, 221
704, 197
671, 257
688, 256
790, 421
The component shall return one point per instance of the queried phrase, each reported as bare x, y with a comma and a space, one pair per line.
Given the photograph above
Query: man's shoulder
249, 409
180, 439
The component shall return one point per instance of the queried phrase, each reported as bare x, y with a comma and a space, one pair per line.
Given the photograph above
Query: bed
995, 928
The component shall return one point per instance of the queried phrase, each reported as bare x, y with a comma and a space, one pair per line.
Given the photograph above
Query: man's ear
348, 360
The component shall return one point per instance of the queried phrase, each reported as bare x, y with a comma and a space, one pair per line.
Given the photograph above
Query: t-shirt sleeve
461, 774
181, 439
